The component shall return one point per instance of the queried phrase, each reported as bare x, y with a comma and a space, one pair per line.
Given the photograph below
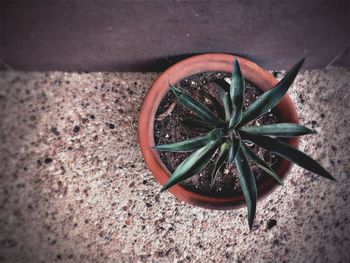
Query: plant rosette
230, 132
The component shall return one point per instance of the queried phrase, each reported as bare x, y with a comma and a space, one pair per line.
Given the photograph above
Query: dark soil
169, 128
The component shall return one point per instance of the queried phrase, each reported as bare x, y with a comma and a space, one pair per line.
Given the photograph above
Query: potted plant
229, 133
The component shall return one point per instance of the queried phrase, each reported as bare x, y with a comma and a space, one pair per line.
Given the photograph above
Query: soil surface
169, 128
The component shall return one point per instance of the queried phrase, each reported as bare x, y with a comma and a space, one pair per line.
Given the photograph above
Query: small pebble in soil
76, 129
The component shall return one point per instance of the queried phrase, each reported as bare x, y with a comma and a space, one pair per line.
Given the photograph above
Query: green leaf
202, 111
260, 162
248, 185
193, 164
198, 123
278, 129
222, 84
218, 107
234, 147
191, 144
237, 88
220, 161
287, 152
224, 89
271, 98
243, 108
227, 103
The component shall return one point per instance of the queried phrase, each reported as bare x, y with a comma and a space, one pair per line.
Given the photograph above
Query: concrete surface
132, 35
74, 187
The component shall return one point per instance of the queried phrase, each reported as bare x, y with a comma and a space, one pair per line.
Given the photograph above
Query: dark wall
150, 35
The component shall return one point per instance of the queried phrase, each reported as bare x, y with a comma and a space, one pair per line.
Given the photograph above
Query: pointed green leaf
248, 185
184, 146
271, 98
198, 123
220, 161
191, 144
278, 129
218, 107
193, 164
202, 111
260, 162
237, 88
227, 103
287, 152
234, 148
224, 89
222, 84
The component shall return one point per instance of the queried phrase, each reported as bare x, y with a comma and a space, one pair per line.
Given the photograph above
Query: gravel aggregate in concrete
74, 187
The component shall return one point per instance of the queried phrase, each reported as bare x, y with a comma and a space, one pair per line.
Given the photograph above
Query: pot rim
213, 62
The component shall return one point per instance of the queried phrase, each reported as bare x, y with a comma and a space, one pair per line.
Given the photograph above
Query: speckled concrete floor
74, 187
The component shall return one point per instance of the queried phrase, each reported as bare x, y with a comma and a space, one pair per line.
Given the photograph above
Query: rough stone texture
74, 187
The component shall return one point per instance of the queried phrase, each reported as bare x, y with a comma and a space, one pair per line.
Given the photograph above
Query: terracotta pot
185, 68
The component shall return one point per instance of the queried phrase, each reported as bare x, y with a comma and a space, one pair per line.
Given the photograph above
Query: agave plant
230, 131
